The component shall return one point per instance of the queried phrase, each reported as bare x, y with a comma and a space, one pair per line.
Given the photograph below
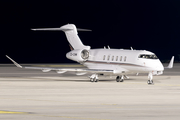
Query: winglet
171, 63
15, 63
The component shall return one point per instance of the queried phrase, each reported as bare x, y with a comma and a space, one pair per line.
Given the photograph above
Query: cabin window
125, 58
104, 57
121, 58
152, 56
112, 58
116, 58
108, 57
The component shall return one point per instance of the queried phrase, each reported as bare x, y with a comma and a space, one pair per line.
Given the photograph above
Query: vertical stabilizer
72, 36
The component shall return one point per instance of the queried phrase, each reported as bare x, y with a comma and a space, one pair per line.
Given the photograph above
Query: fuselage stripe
113, 63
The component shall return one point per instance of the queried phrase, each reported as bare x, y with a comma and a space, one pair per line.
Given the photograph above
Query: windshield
152, 56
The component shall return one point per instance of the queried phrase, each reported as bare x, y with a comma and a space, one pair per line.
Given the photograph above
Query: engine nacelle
78, 55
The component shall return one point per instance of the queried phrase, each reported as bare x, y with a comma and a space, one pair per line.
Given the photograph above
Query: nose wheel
150, 82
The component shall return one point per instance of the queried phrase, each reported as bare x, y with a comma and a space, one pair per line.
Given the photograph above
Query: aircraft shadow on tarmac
64, 79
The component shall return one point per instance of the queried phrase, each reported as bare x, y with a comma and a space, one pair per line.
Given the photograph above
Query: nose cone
158, 66
154, 65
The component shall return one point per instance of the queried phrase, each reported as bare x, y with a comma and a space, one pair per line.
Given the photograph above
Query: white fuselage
122, 61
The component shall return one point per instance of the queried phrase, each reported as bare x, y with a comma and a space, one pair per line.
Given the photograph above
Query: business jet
105, 61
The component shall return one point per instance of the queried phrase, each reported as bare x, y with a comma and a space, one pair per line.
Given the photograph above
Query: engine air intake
85, 54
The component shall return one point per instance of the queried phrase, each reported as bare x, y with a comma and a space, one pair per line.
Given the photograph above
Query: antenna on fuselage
109, 47
104, 47
131, 48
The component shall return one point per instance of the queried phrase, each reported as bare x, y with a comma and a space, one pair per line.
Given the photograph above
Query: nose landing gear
94, 78
150, 77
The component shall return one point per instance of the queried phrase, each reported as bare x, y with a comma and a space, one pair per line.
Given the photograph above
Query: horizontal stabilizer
58, 29
79, 29
50, 29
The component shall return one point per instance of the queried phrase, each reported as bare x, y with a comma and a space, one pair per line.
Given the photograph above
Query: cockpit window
152, 56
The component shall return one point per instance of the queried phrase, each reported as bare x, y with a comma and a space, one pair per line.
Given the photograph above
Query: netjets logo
73, 54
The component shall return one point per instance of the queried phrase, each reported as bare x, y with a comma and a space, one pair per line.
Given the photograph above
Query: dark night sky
152, 25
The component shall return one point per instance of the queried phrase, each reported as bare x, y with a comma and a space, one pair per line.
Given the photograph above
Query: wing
63, 70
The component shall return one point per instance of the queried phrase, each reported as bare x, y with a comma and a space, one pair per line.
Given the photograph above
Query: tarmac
33, 95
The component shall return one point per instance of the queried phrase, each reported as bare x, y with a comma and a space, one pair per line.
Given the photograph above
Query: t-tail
71, 34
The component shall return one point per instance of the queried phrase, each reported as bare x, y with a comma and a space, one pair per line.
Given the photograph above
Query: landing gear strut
120, 79
150, 77
94, 78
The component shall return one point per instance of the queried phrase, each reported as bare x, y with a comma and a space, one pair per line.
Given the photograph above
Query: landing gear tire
117, 79
150, 82
121, 80
91, 80
96, 80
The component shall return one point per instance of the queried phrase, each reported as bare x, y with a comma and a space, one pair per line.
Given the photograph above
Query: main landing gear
94, 78
121, 78
150, 77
